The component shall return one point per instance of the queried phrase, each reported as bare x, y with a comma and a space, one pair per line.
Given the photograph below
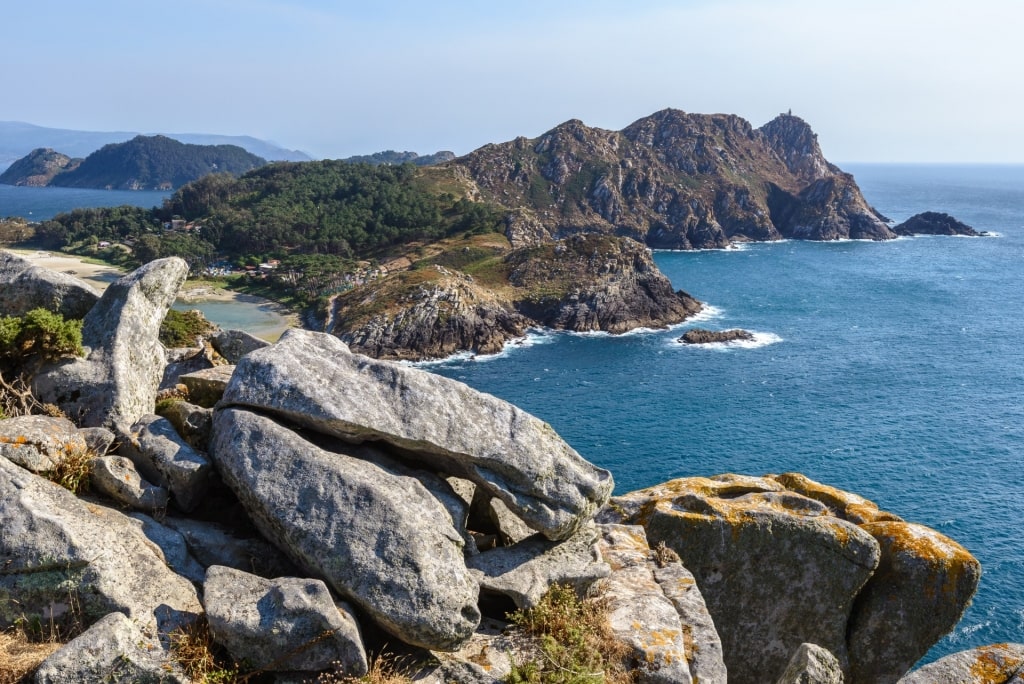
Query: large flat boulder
379, 539
117, 381
283, 624
441, 423
776, 569
1000, 663
24, 287
57, 551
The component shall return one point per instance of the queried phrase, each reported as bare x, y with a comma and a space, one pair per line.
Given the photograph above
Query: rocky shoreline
304, 516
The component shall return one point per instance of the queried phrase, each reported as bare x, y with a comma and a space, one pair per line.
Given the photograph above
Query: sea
893, 369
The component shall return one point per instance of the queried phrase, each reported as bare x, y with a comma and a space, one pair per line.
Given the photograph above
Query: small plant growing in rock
384, 668
569, 642
194, 649
74, 470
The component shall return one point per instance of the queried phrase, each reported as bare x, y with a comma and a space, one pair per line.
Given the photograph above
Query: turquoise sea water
894, 370
41, 204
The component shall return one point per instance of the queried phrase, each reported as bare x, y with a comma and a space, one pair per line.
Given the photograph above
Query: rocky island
294, 521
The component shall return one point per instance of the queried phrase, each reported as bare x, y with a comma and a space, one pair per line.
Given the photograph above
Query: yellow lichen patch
843, 504
952, 568
993, 665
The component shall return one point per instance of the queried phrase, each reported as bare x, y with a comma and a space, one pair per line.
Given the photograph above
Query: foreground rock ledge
434, 421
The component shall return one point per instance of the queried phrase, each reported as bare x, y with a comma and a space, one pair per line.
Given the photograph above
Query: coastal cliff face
582, 283
678, 181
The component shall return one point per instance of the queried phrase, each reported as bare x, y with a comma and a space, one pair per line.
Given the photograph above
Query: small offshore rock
702, 336
1003, 663
437, 422
24, 287
283, 624
934, 223
39, 443
812, 664
112, 650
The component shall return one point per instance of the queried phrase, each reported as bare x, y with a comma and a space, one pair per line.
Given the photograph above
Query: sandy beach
269, 319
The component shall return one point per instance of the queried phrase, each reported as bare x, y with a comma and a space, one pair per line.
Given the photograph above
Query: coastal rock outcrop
379, 539
827, 566
118, 379
24, 287
1002, 663
934, 223
431, 420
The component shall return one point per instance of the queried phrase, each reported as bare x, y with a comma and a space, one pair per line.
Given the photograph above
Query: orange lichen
993, 665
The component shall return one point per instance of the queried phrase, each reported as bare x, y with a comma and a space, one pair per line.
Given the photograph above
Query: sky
878, 80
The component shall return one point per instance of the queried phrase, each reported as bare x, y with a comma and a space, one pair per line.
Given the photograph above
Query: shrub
39, 332
181, 328
571, 642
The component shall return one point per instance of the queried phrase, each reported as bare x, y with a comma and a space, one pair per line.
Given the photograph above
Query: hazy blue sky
879, 80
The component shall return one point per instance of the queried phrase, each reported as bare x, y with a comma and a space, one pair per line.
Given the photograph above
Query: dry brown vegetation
19, 657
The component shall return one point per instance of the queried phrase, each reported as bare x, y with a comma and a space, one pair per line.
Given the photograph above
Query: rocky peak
38, 168
792, 139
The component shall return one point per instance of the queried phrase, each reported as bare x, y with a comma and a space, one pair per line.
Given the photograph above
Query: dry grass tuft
73, 471
570, 641
19, 657
193, 649
384, 668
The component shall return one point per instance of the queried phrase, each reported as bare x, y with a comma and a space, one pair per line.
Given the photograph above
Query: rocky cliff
38, 168
679, 181
325, 502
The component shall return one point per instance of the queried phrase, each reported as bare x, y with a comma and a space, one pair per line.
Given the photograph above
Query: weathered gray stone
24, 287
173, 547
39, 443
437, 421
164, 458
703, 645
524, 572
117, 478
56, 550
206, 387
284, 624
182, 361
812, 664
211, 544
776, 569
639, 613
510, 528
113, 650
99, 440
485, 659
998, 663
378, 539
923, 585
234, 344
191, 422
117, 381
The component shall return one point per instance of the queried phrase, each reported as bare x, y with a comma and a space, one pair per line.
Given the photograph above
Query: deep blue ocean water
42, 204
893, 369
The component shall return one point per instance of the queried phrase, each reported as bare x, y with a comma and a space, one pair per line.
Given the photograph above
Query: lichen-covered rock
54, 546
639, 613
24, 287
172, 545
39, 443
117, 478
115, 651
509, 528
283, 624
438, 422
923, 585
812, 664
485, 659
205, 387
995, 664
776, 569
846, 505
98, 440
192, 422
379, 539
234, 344
117, 381
525, 571
165, 459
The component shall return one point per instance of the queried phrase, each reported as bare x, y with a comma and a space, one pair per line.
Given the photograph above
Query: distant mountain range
17, 139
142, 163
